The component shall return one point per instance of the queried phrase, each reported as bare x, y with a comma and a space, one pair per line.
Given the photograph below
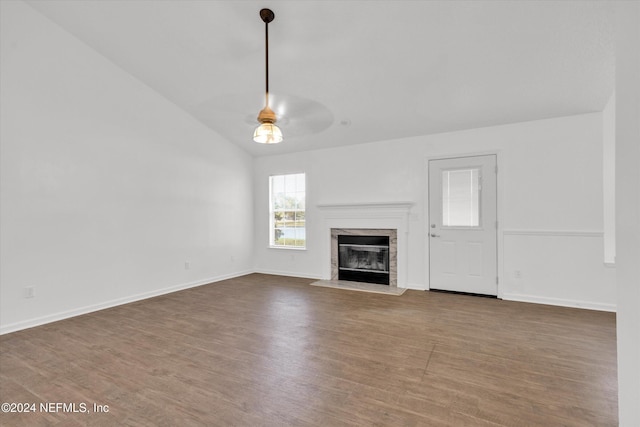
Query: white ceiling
350, 72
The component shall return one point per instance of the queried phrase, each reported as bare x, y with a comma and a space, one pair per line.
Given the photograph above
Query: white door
463, 225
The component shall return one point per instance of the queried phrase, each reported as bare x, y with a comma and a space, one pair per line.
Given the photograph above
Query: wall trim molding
50, 318
559, 302
560, 233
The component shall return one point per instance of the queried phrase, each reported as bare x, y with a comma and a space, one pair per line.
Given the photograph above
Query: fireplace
370, 219
365, 255
364, 259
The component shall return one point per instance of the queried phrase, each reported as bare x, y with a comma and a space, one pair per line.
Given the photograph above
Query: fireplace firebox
363, 259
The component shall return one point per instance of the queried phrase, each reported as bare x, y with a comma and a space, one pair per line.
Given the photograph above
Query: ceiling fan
232, 114
267, 132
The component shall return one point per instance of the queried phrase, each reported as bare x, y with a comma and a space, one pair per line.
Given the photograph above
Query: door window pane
461, 198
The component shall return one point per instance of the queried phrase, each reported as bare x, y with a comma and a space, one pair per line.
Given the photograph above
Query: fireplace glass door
364, 259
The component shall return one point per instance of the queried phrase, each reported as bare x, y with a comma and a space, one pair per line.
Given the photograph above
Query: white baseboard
13, 327
288, 274
25, 324
560, 302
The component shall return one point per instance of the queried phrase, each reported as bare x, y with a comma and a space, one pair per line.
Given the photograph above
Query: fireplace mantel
367, 215
406, 206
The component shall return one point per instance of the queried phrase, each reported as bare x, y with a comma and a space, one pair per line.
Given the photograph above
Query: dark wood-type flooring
264, 350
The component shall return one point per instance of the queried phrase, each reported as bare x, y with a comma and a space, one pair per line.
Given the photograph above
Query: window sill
288, 248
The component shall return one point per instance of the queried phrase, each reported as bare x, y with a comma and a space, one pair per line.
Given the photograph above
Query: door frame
499, 204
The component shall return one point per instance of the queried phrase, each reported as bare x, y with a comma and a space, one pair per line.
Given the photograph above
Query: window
287, 211
461, 198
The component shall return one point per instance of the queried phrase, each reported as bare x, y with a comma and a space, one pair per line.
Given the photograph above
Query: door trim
499, 204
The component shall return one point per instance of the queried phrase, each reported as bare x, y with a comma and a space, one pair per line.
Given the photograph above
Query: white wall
107, 188
609, 180
550, 204
628, 210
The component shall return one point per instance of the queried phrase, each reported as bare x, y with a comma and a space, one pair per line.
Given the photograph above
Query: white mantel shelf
366, 205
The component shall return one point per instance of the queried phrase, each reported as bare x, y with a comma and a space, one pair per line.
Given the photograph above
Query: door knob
435, 235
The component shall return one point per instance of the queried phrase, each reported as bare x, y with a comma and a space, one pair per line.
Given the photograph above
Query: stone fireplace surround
378, 218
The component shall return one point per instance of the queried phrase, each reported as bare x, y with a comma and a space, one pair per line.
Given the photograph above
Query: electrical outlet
233, 258
29, 292
517, 274
187, 265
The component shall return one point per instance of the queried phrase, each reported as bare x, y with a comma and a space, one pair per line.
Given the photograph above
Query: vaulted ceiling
350, 72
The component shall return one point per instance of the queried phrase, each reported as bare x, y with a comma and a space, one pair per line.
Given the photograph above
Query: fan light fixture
267, 132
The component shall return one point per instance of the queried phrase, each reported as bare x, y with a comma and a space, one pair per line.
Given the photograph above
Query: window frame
296, 211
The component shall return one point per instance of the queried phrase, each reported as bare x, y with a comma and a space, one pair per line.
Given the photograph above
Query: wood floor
264, 350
